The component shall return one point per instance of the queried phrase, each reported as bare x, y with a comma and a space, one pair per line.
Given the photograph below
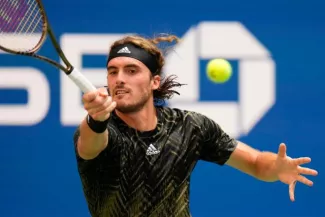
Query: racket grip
81, 81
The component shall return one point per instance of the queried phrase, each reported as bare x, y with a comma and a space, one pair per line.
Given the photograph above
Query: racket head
23, 26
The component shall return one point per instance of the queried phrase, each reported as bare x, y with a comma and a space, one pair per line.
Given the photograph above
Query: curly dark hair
151, 45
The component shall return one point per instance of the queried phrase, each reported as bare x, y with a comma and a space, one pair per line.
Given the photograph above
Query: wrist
96, 126
266, 167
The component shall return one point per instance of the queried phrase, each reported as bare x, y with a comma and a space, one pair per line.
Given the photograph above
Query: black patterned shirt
148, 173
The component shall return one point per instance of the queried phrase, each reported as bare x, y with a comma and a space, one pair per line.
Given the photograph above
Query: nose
120, 78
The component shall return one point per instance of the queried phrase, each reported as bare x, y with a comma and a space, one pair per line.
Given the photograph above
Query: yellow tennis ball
219, 70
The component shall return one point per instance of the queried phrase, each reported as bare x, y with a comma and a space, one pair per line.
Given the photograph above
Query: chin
123, 105
127, 108
127, 104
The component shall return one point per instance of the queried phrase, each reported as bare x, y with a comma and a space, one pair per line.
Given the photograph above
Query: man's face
130, 84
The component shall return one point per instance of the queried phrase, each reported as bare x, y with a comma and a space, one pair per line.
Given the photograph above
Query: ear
155, 82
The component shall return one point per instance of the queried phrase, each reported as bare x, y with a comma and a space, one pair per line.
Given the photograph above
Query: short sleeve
107, 156
216, 145
99, 176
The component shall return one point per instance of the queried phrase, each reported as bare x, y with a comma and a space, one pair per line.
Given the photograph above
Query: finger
292, 187
99, 106
90, 96
96, 104
103, 91
112, 106
301, 160
104, 114
304, 180
282, 150
307, 171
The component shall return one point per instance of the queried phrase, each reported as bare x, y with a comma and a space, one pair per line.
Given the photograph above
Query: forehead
120, 62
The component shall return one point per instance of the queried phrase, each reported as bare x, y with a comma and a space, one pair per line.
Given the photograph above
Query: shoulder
186, 116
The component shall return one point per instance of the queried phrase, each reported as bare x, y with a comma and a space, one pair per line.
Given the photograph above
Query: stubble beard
134, 106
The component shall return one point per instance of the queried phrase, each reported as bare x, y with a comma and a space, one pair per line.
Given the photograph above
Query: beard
134, 106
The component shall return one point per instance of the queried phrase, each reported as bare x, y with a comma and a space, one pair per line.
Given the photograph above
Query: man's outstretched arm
90, 143
93, 129
270, 167
254, 162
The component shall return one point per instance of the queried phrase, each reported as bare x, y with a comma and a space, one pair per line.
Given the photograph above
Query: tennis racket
23, 29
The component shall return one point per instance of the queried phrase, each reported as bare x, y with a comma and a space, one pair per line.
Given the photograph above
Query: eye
131, 71
112, 72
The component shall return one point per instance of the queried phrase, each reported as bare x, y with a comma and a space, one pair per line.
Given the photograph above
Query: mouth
120, 92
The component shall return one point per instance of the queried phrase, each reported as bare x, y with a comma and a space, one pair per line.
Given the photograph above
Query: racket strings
28, 21
21, 25
6, 10
30, 12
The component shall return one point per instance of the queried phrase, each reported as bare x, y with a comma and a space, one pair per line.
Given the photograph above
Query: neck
142, 120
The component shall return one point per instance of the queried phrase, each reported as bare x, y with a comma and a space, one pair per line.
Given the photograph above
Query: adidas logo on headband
136, 52
124, 50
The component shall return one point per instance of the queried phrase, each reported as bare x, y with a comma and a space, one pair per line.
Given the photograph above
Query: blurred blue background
37, 163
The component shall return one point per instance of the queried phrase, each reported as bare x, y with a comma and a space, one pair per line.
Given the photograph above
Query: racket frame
46, 30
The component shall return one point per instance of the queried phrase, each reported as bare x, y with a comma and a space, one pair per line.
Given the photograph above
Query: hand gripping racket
23, 30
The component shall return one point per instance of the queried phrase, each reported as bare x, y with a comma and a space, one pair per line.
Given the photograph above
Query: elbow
84, 153
86, 156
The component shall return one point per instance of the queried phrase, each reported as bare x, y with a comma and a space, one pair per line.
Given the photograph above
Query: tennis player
135, 156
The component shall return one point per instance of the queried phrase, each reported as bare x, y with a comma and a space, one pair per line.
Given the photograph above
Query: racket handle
81, 81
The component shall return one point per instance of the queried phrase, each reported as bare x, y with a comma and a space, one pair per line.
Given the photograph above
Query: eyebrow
126, 66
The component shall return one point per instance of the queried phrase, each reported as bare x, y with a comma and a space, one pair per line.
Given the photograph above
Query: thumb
90, 96
103, 91
282, 150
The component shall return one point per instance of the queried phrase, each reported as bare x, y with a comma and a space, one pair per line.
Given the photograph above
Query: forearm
90, 143
265, 167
